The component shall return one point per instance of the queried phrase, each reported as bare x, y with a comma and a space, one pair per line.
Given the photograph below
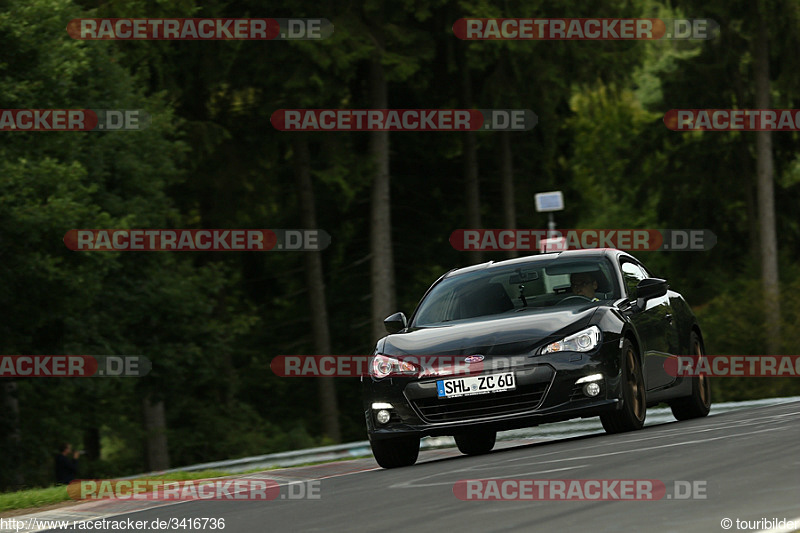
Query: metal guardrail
361, 448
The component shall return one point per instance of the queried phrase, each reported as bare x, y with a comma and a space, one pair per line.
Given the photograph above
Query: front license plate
452, 388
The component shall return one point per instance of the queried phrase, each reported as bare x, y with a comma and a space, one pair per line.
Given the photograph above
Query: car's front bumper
546, 391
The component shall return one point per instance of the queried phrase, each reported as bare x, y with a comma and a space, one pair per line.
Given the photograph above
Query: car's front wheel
476, 443
634, 405
699, 403
395, 452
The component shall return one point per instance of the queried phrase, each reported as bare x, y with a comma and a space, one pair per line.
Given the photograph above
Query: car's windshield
532, 286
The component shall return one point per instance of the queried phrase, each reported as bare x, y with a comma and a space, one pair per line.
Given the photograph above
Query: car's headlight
583, 341
384, 365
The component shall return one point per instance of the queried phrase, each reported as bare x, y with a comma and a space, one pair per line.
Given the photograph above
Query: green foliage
604, 168
733, 325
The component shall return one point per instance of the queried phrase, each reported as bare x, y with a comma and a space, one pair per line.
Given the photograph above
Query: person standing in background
66, 464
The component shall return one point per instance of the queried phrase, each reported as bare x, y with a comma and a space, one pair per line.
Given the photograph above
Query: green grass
32, 498
25, 499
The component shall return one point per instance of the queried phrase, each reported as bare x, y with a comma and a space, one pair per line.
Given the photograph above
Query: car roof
567, 254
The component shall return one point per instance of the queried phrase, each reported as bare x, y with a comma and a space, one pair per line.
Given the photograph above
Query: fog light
382, 416
591, 389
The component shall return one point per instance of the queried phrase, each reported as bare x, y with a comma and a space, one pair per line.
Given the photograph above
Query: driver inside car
584, 284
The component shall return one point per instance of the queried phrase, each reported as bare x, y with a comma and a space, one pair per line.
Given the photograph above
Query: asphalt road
748, 460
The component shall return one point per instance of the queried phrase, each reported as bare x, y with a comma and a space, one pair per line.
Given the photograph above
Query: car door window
632, 274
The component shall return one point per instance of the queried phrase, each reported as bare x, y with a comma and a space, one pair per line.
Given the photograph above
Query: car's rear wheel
395, 452
476, 443
634, 404
699, 403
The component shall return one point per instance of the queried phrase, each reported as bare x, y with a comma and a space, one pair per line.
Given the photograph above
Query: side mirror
651, 288
396, 322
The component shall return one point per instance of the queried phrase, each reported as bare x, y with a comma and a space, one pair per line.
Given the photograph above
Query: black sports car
527, 341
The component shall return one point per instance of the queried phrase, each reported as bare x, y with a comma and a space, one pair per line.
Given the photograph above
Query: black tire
634, 403
477, 443
698, 404
395, 452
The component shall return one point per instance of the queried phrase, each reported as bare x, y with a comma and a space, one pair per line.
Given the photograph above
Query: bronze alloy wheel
633, 408
698, 403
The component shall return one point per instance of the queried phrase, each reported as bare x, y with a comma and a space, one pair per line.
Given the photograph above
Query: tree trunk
155, 427
766, 199
470, 148
12, 475
91, 443
382, 264
507, 180
751, 191
316, 289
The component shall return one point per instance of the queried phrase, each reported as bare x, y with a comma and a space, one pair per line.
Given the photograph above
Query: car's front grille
472, 407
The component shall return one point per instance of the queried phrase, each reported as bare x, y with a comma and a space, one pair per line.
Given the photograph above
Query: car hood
513, 334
